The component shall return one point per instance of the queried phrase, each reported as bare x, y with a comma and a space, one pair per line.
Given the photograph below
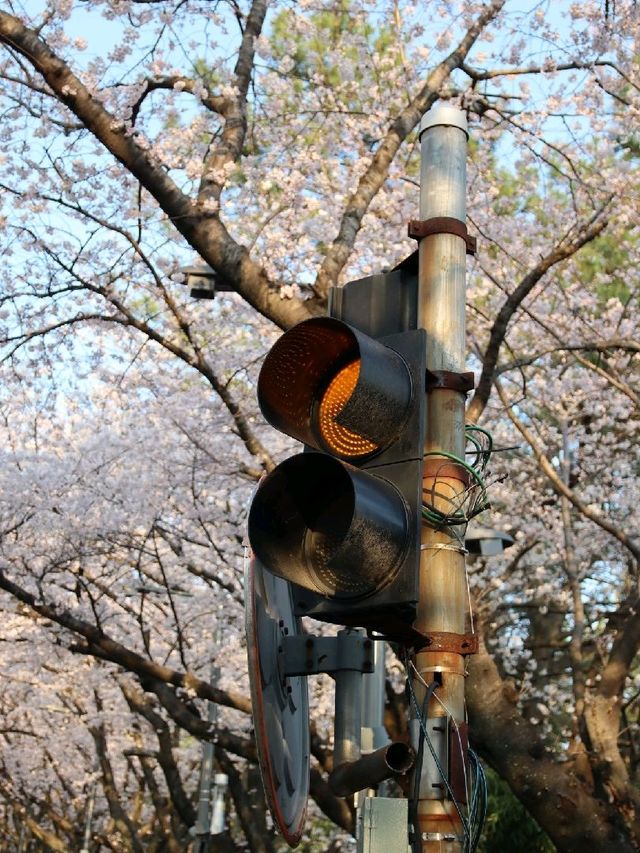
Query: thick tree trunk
551, 791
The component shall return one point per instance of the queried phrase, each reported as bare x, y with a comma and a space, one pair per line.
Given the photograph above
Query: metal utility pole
437, 675
368, 528
207, 803
91, 802
218, 810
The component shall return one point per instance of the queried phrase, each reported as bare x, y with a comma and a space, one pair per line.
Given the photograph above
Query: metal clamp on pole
450, 380
448, 641
419, 228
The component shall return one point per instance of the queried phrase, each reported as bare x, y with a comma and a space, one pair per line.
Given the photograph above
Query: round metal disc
280, 705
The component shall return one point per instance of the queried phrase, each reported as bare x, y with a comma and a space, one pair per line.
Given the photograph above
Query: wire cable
418, 767
475, 785
443, 774
455, 725
478, 812
473, 499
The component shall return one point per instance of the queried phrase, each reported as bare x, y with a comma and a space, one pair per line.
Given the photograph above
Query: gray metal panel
280, 704
432, 785
379, 305
383, 825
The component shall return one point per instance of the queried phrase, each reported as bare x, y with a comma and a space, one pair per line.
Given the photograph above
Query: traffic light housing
341, 521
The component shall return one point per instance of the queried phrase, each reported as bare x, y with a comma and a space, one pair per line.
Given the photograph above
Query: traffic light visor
335, 389
328, 527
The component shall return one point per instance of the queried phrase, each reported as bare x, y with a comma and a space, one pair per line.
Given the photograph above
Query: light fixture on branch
204, 282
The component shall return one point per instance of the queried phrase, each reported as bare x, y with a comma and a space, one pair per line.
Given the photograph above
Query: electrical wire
478, 807
469, 468
417, 774
466, 575
462, 752
424, 735
473, 500
482, 441
463, 507
475, 786
450, 716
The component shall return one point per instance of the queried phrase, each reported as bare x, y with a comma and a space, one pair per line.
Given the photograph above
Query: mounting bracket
310, 655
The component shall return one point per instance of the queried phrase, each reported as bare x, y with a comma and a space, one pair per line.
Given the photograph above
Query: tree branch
229, 148
259, 841
573, 818
563, 250
118, 814
138, 704
203, 231
376, 174
559, 486
100, 645
178, 83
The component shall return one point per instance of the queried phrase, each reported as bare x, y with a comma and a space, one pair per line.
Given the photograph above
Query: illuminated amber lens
339, 439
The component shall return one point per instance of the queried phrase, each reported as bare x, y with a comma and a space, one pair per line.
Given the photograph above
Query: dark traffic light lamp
328, 527
341, 521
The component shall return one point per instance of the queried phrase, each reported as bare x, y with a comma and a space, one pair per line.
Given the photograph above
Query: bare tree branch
100, 645
563, 250
559, 486
376, 173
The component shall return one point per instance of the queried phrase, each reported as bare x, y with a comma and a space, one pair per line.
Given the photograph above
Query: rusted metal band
419, 228
449, 380
445, 641
439, 468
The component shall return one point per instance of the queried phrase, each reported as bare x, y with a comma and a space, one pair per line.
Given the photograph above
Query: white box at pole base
383, 825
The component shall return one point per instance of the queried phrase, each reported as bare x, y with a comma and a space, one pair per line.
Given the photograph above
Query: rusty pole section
443, 603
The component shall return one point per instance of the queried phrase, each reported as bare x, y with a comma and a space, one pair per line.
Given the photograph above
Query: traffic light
341, 521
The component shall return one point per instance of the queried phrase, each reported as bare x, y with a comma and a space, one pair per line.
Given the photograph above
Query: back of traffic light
341, 521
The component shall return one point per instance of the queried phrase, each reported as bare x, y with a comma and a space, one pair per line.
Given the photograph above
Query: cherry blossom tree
276, 141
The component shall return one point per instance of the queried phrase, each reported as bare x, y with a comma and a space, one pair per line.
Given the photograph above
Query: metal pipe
218, 812
205, 802
374, 734
348, 703
348, 718
391, 761
442, 605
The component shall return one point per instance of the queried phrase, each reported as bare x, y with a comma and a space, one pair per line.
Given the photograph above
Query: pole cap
444, 114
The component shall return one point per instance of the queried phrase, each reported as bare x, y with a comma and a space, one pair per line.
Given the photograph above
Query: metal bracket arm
309, 655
